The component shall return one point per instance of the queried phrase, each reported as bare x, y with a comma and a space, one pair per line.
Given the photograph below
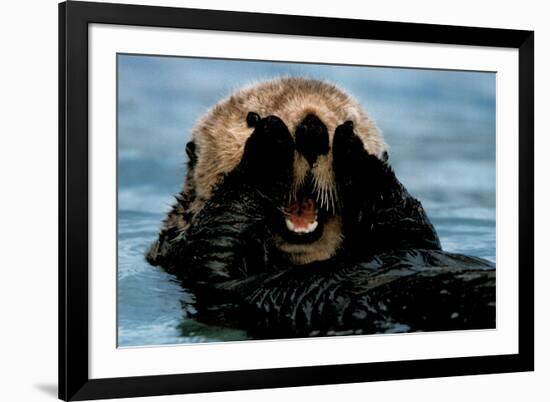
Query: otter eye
252, 119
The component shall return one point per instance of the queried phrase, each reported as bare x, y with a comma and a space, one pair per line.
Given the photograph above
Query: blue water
440, 126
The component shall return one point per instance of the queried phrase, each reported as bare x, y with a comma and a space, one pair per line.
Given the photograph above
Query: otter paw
349, 154
351, 161
269, 151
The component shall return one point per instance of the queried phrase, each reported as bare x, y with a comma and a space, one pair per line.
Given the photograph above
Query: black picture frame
74, 381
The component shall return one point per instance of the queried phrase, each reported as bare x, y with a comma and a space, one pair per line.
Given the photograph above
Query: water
440, 126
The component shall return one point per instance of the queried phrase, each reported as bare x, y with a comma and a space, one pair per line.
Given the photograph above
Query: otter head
310, 227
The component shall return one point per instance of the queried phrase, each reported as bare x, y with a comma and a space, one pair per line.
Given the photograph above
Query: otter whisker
326, 195
284, 211
334, 198
293, 192
323, 197
318, 192
291, 195
331, 199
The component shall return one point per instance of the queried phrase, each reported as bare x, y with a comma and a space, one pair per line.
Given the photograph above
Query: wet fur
219, 241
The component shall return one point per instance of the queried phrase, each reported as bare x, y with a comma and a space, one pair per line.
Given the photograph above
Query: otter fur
219, 138
291, 218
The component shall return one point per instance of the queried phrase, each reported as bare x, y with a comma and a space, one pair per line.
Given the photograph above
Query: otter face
310, 225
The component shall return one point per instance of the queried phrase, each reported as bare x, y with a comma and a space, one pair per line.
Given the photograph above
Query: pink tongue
302, 213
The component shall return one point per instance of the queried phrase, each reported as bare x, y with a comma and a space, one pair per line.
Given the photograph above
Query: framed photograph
256, 200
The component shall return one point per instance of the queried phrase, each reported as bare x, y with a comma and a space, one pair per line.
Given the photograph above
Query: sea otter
291, 222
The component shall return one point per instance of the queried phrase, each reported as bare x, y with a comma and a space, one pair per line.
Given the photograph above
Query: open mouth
302, 218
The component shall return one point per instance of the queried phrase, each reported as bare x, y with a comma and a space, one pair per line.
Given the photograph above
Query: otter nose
312, 138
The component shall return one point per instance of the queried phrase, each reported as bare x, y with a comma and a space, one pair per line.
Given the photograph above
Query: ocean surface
440, 126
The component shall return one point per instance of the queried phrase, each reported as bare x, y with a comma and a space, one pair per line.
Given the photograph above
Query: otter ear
385, 156
252, 119
191, 151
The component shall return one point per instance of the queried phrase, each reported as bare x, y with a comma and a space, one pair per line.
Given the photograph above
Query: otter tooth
309, 229
289, 224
